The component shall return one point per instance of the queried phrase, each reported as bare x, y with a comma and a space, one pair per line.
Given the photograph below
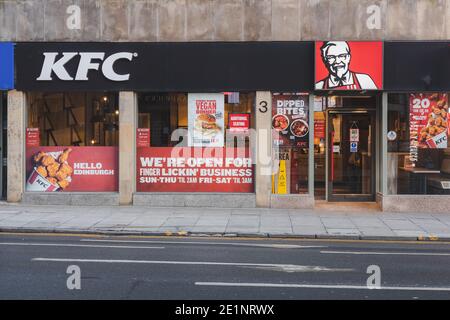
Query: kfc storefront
237, 124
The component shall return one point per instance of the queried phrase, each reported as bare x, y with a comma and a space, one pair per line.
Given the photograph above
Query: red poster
72, 169
428, 122
166, 169
319, 129
349, 65
32, 138
143, 137
239, 122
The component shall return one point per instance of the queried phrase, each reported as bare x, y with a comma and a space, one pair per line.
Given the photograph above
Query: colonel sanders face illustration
336, 57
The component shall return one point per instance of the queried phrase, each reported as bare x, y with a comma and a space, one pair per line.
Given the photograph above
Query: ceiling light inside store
105, 99
117, 112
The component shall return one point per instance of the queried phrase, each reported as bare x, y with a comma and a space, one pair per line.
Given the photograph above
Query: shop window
194, 142
290, 129
418, 149
72, 142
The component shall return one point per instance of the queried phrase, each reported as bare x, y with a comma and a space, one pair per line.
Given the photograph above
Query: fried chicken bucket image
51, 172
434, 134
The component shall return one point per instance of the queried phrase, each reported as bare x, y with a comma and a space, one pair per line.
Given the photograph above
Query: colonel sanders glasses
332, 59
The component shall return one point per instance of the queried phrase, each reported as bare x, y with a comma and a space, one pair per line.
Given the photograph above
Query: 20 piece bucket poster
428, 122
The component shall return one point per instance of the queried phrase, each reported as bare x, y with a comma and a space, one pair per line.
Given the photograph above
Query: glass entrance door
351, 159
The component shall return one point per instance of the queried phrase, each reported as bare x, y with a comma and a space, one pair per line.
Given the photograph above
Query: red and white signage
428, 122
206, 119
319, 128
349, 65
143, 137
167, 169
239, 122
32, 137
88, 169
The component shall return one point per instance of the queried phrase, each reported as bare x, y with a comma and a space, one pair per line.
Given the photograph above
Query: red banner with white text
167, 169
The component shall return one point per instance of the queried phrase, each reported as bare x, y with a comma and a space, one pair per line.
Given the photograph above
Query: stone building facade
223, 20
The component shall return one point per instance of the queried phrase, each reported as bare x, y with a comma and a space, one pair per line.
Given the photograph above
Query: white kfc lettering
85, 64
56, 66
107, 67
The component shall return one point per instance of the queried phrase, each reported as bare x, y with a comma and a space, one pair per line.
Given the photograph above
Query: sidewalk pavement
258, 222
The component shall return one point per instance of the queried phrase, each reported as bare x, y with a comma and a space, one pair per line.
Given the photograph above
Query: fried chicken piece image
47, 160
42, 171
53, 169
441, 103
52, 180
38, 157
66, 168
61, 175
65, 155
64, 171
63, 184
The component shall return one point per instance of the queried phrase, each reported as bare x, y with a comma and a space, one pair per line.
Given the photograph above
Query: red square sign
349, 65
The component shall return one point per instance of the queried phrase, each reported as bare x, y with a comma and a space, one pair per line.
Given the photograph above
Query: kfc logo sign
349, 65
54, 64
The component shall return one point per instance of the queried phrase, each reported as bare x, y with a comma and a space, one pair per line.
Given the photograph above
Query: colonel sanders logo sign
342, 65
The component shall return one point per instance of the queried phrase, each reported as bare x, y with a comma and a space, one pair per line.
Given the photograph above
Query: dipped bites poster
72, 169
290, 120
206, 119
428, 122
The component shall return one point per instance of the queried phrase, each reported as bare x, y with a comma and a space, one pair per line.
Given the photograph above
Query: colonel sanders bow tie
340, 81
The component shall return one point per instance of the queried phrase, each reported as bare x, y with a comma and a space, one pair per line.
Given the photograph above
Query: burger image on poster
206, 124
206, 119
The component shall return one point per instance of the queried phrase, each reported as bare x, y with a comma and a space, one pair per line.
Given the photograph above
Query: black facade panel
184, 67
417, 66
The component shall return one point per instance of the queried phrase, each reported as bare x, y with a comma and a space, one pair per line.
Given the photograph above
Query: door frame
329, 184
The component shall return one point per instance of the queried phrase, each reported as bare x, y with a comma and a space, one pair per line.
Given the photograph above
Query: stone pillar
263, 149
16, 145
127, 146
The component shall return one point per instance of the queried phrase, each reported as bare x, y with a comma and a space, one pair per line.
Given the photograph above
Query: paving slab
370, 222
180, 221
337, 223
305, 230
306, 221
401, 224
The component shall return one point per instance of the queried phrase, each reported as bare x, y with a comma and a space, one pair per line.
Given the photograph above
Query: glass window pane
418, 150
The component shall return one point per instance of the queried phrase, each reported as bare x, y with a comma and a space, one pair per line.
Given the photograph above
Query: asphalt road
35, 267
